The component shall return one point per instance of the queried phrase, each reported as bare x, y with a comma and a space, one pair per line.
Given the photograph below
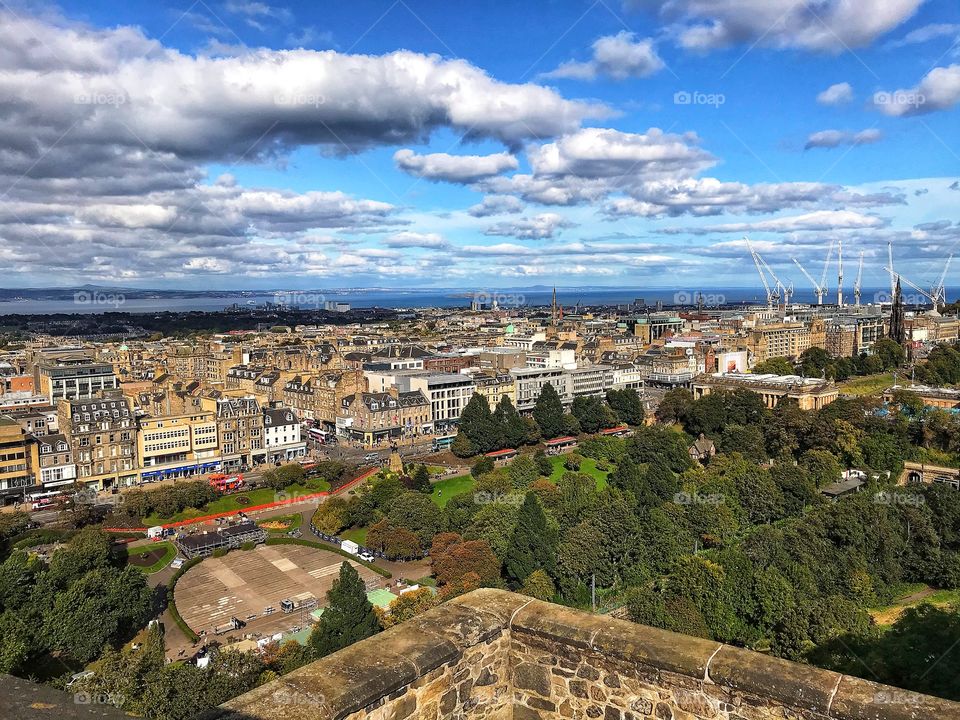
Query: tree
775, 366
476, 423
821, 466
331, 516
513, 431
482, 465
421, 480
592, 413
674, 406
626, 405
532, 544
538, 585
523, 471
417, 513
462, 447
544, 466
453, 559
348, 617
548, 412
407, 606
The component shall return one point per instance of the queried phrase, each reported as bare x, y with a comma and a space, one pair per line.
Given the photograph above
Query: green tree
538, 585
532, 545
482, 466
476, 423
421, 480
548, 412
890, 352
544, 466
348, 617
513, 431
674, 406
774, 366
419, 514
523, 471
626, 405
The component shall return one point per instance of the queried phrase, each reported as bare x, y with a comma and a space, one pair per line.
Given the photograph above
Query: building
239, 430
55, 461
375, 418
569, 383
667, 367
654, 327
74, 377
177, 446
102, 435
494, 387
16, 461
809, 393
226, 538
932, 397
785, 339
447, 393
282, 435
702, 449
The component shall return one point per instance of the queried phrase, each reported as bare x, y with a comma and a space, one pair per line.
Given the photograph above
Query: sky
246, 144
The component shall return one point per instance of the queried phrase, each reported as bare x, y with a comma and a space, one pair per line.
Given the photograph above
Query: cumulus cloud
538, 227
938, 90
619, 56
818, 220
836, 94
926, 34
407, 239
496, 205
836, 138
454, 168
826, 26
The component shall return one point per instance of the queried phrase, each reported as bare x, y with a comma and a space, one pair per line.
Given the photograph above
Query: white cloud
825, 26
454, 168
406, 239
496, 205
619, 56
835, 138
938, 90
538, 227
818, 220
926, 34
837, 94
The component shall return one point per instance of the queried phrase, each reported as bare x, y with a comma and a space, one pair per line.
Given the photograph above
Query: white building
447, 393
282, 435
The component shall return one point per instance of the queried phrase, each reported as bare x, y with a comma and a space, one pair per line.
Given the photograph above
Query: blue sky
241, 143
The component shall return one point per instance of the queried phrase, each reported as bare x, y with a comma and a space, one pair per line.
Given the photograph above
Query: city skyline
245, 145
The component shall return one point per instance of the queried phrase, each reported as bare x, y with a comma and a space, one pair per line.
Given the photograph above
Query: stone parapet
495, 655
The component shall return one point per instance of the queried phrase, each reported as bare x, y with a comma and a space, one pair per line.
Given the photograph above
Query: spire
898, 330
553, 306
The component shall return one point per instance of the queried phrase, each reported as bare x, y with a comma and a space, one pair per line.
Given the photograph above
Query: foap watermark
883, 297
488, 498
686, 97
497, 299
686, 297
898, 498
695, 498
98, 698
89, 496
300, 299
300, 99
115, 99
95, 297
292, 498
899, 98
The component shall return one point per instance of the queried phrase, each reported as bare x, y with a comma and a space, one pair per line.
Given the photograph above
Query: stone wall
493, 655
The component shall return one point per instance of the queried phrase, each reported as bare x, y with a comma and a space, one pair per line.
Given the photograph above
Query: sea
97, 301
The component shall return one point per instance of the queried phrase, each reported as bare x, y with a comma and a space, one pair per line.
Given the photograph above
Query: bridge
926, 473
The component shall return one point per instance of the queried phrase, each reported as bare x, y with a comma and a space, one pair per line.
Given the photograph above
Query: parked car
367, 556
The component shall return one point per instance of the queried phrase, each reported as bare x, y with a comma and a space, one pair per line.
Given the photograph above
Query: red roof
500, 453
560, 440
611, 431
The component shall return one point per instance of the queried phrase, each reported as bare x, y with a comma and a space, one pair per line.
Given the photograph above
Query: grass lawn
588, 466
867, 385
446, 489
160, 554
228, 503
289, 522
911, 596
358, 535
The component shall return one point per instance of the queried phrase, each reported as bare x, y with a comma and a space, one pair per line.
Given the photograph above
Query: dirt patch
142, 558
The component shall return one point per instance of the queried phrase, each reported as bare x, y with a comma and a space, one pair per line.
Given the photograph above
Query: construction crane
782, 290
940, 291
856, 285
926, 293
819, 289
893, 281
757, 260
840, 273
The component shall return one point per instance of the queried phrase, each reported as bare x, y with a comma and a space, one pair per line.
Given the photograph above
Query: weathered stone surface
492, 655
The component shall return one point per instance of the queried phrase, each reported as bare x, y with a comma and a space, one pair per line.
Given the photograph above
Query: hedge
172, 603
329, 548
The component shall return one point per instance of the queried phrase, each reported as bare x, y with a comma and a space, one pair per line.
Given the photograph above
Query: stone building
809, 393
103, 440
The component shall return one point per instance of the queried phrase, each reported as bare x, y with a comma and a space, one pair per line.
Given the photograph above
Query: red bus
226, 483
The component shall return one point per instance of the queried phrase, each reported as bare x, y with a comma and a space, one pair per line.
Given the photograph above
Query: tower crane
782, 290
819, 289
905, 281
893, 281
840, 273
940, 291
757, 260
856, 285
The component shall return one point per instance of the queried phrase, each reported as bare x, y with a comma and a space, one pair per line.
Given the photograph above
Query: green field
912, 595
167, 549
588, 467
867, 385
228, 503
358, 535
446, 489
